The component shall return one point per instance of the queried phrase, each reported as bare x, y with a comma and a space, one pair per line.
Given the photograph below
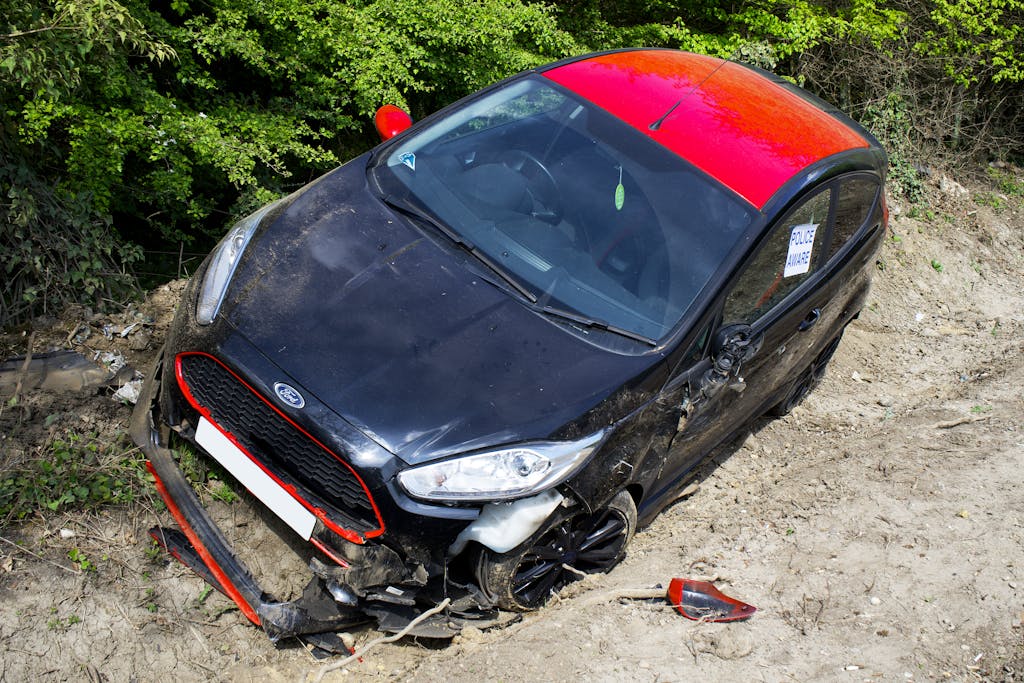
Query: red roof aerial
748, 132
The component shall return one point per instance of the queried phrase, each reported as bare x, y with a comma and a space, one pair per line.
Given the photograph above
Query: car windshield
586, 212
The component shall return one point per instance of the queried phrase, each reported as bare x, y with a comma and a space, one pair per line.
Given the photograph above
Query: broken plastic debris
129, 392
700, 600
59, 371
503, 526
110, 359
129, 329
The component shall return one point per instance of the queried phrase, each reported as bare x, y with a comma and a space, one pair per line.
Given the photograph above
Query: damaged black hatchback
470, 362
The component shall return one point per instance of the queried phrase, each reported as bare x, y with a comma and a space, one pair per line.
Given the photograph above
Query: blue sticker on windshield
409, 159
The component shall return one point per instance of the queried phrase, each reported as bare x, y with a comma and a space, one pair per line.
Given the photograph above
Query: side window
853, 208
786, 258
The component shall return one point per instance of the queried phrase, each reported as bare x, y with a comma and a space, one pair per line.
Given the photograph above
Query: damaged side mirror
731, 347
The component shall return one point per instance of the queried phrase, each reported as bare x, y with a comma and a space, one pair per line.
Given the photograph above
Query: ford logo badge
289, 395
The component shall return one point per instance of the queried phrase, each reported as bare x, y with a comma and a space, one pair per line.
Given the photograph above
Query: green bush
57, 243
977, 40
127, 125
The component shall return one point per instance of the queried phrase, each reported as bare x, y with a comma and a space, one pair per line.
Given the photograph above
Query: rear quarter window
854, 202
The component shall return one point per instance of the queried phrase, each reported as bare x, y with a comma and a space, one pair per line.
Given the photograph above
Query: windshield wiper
593, 323
545, 309
467, 246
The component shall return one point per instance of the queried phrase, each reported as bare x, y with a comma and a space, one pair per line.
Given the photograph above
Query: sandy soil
879, 528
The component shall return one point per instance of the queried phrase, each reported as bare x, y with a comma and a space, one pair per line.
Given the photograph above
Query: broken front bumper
371, 582
204, 548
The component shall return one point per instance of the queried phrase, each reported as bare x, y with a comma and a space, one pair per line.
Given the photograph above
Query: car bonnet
395, 333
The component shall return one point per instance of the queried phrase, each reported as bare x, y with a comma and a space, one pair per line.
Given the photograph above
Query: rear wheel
809, 379
569, 545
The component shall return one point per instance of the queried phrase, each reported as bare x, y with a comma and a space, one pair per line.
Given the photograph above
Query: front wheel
569, 545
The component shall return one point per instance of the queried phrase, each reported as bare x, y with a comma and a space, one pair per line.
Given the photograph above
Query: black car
470, 362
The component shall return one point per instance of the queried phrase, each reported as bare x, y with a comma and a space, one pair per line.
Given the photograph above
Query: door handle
808, 322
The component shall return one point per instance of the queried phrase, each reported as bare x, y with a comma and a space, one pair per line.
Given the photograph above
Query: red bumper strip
326, 550
348, 534
208, 549
218, 573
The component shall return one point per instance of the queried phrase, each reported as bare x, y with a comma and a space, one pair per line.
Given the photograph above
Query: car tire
808, 379
570, 544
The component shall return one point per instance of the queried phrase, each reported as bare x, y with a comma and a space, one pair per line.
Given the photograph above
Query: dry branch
949, 424
342, 663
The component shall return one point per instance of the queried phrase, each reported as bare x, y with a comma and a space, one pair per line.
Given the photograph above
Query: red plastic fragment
700, 600
215, 569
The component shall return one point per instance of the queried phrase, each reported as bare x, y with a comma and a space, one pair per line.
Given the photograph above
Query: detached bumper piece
336, 598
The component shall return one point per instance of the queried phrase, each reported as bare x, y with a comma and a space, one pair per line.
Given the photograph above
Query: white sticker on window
801, 241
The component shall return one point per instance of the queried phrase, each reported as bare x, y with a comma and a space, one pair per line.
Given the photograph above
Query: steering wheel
543, 190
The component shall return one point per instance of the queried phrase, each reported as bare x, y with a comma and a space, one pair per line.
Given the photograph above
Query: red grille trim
348, 534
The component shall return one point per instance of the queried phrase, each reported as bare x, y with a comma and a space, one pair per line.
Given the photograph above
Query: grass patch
61, 625
79, 559
204, 474
74, 471
990, 199
1007, 182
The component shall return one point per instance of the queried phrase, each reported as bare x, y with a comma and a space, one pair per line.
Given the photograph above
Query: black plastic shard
177, 544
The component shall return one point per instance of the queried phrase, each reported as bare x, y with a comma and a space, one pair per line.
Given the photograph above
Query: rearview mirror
390, 121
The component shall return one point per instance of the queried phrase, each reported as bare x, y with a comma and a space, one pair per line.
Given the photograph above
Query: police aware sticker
801, 241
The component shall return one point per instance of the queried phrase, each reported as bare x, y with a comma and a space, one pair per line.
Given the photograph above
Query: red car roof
748, 132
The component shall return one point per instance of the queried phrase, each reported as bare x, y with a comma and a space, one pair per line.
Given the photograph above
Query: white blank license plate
259, 483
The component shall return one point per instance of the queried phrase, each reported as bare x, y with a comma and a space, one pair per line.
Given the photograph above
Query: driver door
769, 328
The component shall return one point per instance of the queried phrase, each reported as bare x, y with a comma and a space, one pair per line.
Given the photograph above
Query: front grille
280, 446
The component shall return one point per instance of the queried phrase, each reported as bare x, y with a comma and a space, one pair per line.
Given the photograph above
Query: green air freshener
620, 193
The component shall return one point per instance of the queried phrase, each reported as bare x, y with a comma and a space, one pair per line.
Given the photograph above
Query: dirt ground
879, 528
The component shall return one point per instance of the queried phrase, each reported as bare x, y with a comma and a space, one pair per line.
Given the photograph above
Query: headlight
223, 262
499, 475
